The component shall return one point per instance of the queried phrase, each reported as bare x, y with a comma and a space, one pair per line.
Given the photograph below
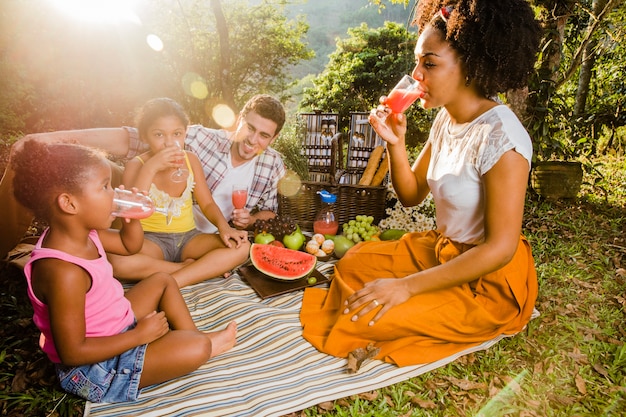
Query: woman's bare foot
223, 340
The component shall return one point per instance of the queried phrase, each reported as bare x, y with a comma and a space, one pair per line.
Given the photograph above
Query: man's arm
115, 141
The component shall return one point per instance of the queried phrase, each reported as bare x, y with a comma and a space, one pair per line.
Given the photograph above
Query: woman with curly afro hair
432, 294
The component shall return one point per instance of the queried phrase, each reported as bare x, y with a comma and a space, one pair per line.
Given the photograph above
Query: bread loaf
381, 172
372, 165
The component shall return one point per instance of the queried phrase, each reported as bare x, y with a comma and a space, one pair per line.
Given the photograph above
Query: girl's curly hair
497, 40
44, 170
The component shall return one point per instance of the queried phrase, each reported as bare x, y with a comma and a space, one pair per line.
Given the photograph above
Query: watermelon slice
282, 263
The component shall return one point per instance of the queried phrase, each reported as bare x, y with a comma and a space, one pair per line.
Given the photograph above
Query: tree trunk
224, 66
586, 67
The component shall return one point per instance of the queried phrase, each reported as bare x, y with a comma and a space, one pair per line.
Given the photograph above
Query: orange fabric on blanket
429, 326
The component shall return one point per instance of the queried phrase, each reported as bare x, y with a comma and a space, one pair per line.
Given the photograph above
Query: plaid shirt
212, 148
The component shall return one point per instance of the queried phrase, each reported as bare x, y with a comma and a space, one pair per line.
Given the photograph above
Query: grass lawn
571, 361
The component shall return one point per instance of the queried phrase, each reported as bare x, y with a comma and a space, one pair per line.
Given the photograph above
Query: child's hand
169, 157
229, 233
152, 326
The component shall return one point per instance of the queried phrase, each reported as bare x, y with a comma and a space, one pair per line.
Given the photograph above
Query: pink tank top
107, 311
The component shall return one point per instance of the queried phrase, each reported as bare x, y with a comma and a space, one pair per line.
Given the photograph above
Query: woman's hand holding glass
401, 97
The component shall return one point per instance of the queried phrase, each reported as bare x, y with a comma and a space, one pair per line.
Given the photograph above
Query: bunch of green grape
360, 229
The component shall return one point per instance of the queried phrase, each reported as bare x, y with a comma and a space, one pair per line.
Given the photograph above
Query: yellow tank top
182, 208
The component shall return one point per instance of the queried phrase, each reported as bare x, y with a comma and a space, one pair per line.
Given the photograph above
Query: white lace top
458, 162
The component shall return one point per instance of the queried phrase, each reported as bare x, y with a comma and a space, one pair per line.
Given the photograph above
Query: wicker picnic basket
336, 176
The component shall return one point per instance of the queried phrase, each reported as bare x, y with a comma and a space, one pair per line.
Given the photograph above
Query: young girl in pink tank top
106, 344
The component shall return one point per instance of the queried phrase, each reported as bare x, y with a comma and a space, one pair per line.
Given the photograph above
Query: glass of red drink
403, 95
132, 205
240, 195
180, 174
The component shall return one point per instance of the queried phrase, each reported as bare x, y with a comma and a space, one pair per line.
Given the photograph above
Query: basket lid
327, 197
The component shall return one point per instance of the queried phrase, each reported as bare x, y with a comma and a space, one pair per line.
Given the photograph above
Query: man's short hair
267, 107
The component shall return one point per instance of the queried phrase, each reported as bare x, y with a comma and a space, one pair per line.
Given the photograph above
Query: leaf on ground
581, 385
327, 405
467, 359
466, 385
583, 284
343, 402
579, 357
369, 396
601, 370
427, 404
20, 381
359, 355
561, 399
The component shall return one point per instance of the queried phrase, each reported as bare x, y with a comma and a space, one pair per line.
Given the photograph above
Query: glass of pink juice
136, 206
403, 95
240, 196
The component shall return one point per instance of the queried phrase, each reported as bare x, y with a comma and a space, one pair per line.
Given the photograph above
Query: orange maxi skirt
428, 326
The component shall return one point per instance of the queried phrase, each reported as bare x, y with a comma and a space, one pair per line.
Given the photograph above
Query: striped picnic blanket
272, 371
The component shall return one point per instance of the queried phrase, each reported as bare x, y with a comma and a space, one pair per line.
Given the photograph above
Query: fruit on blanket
282, 263
342, 244
294, 240
392, 234
264, 238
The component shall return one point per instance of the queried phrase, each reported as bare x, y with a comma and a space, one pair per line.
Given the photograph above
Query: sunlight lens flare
195, 86
289, 184
103, 11
154, 42
223, 115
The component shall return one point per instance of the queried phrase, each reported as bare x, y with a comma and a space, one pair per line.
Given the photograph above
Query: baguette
381, 172
372, 165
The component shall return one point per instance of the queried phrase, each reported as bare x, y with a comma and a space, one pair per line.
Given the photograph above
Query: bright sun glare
105, 11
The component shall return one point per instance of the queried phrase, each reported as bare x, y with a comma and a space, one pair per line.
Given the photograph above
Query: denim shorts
171, 244
110, 381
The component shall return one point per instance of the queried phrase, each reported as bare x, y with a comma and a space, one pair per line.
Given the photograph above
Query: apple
277, 243
294, 240
264, 238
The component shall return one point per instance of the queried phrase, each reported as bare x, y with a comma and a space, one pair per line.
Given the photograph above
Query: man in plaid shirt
242, 156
